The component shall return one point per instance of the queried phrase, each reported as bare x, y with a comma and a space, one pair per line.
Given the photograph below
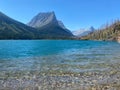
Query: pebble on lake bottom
71, 81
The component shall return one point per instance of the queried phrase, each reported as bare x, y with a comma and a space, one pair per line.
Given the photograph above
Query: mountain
60, 23
43, 27
109, 32
12, 29
48, 25
83, 32
43, 19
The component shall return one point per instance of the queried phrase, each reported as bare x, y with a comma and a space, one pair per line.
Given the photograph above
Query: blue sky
75, 14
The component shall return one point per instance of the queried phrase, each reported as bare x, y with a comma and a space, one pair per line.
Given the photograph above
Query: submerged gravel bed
102, 79
99, 80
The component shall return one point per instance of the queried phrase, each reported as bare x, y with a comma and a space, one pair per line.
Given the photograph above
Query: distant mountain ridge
83, 32
44, 29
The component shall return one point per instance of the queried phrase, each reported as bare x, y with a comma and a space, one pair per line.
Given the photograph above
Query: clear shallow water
59, 64
55, 56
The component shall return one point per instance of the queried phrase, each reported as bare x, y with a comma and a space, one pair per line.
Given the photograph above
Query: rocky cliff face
48, 23
43, 19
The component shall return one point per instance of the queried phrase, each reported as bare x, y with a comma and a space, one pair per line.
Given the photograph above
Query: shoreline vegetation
108, 32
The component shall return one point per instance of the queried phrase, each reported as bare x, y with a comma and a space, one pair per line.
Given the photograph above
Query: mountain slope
48, 25
60, 23
110, 32
43, 29
12, 29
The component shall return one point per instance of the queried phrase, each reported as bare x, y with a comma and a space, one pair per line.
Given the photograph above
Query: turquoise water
57, 55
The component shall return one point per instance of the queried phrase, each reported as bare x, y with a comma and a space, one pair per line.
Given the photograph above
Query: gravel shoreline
109, 80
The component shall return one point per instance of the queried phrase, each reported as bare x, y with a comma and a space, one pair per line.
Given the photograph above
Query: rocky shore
97, 80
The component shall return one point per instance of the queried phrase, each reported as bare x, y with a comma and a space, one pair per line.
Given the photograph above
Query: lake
58, 61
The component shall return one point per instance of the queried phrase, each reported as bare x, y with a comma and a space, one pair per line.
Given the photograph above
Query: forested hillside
108, 32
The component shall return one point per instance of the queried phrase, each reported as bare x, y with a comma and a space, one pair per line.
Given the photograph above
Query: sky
75, 14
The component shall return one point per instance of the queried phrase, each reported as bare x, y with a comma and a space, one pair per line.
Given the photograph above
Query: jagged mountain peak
48, 13
43, 19
46, 22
